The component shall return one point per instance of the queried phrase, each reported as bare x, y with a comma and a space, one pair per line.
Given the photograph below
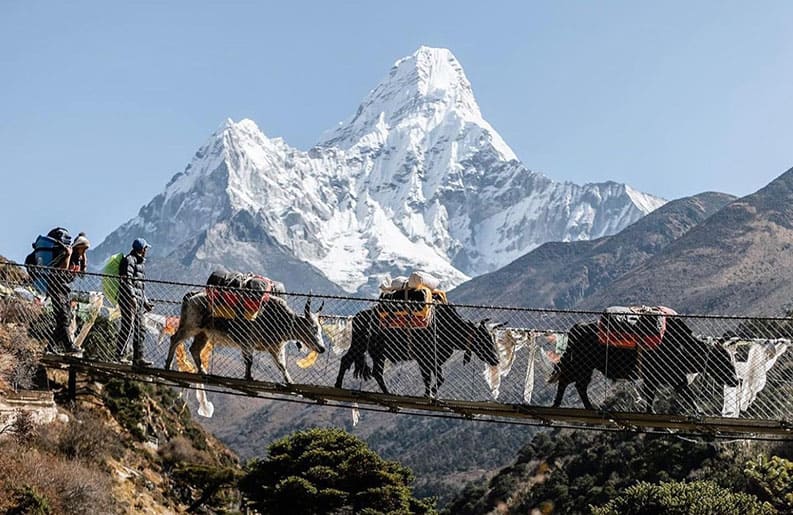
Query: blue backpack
48, 251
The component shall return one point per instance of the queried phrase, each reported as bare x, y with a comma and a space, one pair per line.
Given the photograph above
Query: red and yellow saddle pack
409, 308
233, 295
633, 326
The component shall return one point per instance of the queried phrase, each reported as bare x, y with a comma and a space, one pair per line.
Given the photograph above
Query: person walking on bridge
55, 252
133, 303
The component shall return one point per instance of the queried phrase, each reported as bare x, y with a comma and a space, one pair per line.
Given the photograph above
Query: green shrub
679, 498
124, 399
328, 471
772, 480
29, 502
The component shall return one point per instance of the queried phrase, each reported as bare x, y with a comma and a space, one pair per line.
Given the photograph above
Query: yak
273, 327
430, 347
679, 353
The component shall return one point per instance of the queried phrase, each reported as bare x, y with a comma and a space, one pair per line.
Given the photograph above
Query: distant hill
738, 261
563, 274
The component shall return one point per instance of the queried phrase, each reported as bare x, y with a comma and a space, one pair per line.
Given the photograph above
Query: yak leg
438, 370
378, 362
439, 379
649, 388
581, 380
581, 387
200, 341
280, 362
178, 337
426, 375
581, 383
683, 402
346, 362
560, 389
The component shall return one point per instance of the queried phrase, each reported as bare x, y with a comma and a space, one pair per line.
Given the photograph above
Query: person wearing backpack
133, 303
48, 266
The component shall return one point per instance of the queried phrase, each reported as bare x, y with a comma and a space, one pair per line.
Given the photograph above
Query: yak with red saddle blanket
633, 326
234, 294
654, 346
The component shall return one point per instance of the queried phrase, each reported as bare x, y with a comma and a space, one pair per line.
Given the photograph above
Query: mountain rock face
416, 179
738, 261
561, 275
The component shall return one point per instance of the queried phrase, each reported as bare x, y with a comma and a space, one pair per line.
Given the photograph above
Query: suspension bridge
528, 345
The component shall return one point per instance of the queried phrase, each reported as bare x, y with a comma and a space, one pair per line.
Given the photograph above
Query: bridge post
72, 385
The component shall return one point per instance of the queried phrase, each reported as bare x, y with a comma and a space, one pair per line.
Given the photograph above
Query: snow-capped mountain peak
238, 151
431, 75
423, 92
416, 179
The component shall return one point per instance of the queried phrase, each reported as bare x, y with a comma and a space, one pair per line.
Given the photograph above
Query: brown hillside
738, 261
120, 447
562, 274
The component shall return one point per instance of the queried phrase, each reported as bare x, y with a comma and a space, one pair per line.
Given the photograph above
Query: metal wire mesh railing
620, 361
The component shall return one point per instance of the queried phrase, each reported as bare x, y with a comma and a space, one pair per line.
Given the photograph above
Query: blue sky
100, 104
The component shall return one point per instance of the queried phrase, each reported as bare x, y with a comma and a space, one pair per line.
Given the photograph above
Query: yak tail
362, 369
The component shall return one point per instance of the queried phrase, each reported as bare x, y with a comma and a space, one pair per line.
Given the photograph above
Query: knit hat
81, 241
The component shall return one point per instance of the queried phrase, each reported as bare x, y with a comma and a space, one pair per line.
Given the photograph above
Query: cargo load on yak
234, 294
409, 301
633, 326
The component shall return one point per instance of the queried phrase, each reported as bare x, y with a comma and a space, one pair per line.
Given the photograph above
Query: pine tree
329, 471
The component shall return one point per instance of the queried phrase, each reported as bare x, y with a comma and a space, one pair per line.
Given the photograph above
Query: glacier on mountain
416, 179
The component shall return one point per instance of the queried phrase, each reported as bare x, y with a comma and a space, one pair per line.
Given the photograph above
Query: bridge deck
478, 410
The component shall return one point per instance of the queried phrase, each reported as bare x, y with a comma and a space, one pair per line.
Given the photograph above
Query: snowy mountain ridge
416, 179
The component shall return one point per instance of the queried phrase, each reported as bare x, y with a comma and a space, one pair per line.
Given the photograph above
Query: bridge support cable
712, 375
